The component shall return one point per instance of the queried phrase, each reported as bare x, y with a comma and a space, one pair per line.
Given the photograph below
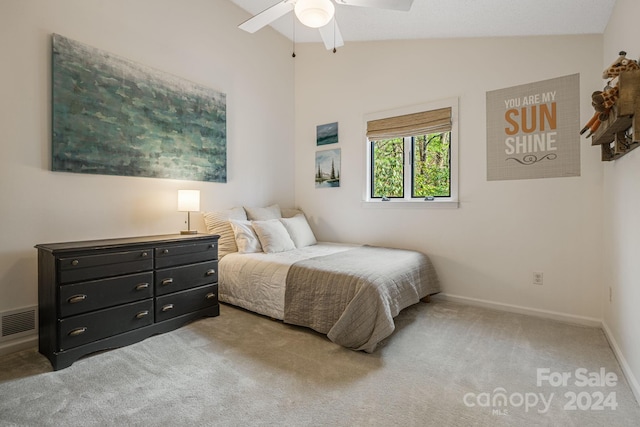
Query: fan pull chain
293, 48
334, 34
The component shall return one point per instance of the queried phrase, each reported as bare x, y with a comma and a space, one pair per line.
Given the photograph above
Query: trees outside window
429, 174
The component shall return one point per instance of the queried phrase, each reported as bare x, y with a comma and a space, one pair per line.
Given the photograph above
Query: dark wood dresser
101, 294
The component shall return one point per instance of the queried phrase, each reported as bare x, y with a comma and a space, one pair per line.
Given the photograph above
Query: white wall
193, 39
621, 191
503, 231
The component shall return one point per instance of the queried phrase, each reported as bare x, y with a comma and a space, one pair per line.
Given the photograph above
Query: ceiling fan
318, 14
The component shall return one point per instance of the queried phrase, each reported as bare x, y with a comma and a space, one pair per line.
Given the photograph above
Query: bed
351, 293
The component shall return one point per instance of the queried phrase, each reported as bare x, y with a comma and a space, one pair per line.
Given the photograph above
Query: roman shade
422, 123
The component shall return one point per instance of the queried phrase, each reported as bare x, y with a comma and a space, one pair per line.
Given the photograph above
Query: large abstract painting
112, 116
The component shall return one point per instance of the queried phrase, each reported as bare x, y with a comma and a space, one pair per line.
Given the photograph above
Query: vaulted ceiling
452, 19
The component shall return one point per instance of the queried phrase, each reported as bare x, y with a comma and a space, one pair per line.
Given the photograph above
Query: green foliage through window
388, 168
431, 166
430, 171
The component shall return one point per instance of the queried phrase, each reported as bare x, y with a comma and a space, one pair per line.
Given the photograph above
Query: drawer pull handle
167, 281
77, 298
210, 295
144, 254
77, 331
213, 245
167, 307
75, 262
142, 286
211, 272
166, 251
142, 314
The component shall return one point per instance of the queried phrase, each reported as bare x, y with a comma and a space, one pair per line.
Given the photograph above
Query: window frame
408, 201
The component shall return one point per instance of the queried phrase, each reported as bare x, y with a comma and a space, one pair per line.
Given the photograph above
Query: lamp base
189, 232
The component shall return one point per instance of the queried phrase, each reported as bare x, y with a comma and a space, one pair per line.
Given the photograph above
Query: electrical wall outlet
538, 278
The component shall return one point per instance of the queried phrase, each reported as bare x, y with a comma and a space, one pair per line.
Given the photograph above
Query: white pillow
273, 236
246, 238
263, 214
299, 231
290, 212
217, 222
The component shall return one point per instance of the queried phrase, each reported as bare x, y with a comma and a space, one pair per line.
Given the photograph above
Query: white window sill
405, 204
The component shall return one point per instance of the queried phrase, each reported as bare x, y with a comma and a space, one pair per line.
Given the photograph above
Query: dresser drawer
185, 277
87, 296
87, 267
96, 295
85, 328
169, 256
179, 303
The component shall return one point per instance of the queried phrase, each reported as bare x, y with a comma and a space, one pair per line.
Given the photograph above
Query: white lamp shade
188, 200
314, 13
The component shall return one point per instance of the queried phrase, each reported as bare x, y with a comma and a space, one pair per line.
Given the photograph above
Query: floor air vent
18, 323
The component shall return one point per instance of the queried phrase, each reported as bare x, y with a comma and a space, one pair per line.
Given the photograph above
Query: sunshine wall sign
532, 130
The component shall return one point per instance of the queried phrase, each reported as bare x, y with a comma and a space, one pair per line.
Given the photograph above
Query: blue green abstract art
112, 116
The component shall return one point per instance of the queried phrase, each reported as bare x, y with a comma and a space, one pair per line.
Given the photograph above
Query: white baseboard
626, 369
547, 314
18, 344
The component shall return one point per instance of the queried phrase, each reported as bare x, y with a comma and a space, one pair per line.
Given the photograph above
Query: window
412, 155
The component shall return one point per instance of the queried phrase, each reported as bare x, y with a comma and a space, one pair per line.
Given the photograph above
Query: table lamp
188, 201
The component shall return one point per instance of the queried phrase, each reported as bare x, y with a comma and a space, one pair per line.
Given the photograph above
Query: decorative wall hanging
112, 116
531, 130
327, 134
328, 168
615, 125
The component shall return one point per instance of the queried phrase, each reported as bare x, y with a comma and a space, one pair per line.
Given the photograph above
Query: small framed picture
328, 168
327, 134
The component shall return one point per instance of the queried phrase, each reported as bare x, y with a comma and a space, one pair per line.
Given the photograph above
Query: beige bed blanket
353, 296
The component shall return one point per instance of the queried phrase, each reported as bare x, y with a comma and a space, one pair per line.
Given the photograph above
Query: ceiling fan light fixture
314, 13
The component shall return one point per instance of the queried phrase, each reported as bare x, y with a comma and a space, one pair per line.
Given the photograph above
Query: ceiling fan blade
331, 35
404, 5
267, 16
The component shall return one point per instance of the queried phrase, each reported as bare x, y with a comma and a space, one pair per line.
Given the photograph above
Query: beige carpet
445, 365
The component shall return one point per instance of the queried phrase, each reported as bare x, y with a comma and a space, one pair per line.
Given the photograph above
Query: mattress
257, 281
